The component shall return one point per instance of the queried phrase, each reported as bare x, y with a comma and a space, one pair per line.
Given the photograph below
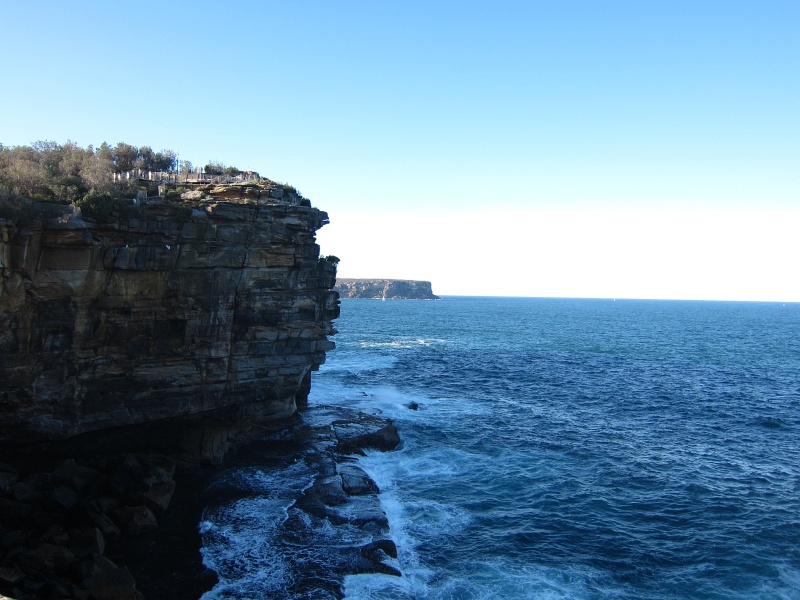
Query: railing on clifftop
187, 177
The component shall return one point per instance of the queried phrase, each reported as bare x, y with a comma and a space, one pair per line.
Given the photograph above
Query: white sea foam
238, 544
358, 363
403, 343
205, 526
788, 585
271, 482
388, 400
410, 464
395, 403
240, 537
411, 521
498, 580
487, 581
383, 587
398, 344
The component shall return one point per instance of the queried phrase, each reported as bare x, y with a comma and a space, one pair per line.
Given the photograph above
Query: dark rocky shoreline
115, 515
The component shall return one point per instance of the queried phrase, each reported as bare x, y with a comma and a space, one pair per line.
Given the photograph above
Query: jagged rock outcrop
387, 289
219, 303
56, 523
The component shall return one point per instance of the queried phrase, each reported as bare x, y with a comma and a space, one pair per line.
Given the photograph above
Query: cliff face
217, 303
394, 289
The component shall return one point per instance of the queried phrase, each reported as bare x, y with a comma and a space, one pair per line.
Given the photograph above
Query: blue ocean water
582, 449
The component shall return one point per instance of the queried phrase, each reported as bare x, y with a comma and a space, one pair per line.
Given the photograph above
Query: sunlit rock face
216, 304
386, 289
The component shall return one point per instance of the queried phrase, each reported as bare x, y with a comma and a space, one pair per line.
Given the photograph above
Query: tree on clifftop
125, 156
147, 160
217, 168
51, 172
214, 168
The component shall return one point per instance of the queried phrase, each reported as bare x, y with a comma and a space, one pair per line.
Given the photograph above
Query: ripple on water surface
582, 449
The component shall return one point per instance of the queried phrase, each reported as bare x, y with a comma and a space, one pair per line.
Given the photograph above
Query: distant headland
385, 289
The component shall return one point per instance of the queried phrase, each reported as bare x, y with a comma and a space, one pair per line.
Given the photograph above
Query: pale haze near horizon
578, 149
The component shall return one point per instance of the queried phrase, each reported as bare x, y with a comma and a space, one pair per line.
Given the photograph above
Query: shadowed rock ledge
112, 517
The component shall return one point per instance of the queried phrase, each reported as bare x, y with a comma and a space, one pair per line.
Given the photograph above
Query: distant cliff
390, 289
218, 302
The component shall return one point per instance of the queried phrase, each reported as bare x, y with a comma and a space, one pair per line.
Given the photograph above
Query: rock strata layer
385, 289
218, 303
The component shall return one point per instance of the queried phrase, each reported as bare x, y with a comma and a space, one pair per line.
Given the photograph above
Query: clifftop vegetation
48, 172
52, 172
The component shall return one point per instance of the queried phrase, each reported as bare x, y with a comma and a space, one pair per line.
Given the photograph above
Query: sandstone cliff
219, 302
389, 289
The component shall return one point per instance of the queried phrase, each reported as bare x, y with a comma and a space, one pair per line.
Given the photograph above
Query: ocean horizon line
608, 298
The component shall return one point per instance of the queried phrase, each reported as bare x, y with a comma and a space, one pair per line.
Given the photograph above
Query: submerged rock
355, 435
355, 482
335, 525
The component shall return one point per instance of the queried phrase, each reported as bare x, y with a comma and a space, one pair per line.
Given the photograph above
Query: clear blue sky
577, 148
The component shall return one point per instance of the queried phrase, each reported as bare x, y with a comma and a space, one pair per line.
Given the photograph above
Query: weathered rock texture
78, 516
216, 303
389, 289
55, 524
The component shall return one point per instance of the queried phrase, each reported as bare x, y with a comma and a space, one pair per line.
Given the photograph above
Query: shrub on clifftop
105, 207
